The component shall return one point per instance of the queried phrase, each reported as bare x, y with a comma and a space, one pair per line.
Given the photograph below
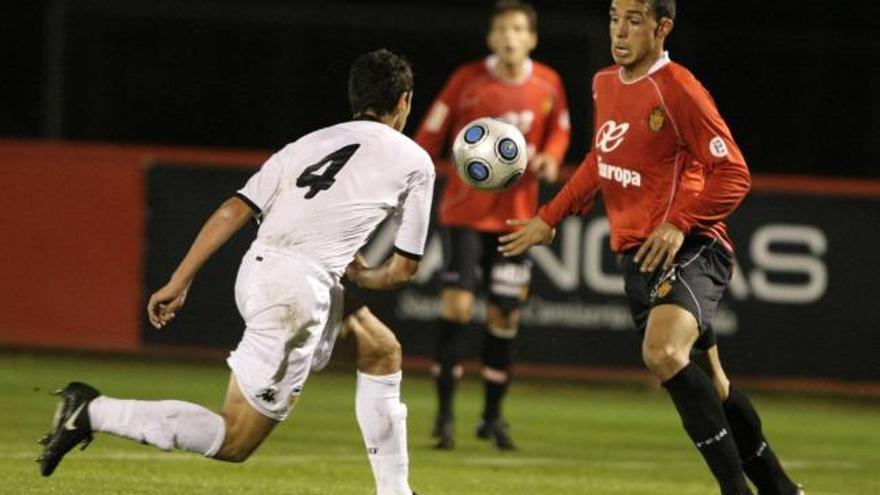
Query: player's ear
534, 41
664, 27
404, 102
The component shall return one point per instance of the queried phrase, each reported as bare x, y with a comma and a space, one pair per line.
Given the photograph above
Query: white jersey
323, 195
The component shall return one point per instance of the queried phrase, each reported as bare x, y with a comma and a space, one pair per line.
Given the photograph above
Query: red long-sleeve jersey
661, 153
536, 104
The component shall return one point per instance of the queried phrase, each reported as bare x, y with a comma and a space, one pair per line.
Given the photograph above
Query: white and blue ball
490, 154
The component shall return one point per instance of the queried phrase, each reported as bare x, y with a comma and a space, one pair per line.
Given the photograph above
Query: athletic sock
495, 392
759, 460
447, 359
382, 419
497, 358
445, 395
166, 424
703, 418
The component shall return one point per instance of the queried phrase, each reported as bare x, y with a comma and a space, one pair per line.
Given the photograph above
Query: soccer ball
490, 154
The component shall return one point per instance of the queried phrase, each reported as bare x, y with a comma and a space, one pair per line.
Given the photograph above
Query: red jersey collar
528, 67
661, 62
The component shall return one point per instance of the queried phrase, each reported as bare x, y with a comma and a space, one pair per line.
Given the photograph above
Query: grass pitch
572, 438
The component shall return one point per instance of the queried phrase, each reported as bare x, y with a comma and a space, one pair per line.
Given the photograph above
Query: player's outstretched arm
534, 231
225, 221
396, 271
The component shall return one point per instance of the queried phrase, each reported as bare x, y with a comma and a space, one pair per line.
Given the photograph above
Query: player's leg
246, 427
673, 308
502, 325
683, 301
759, 460
269, 367
508, 286
461, 248
670, 334
380, 413
456, 308
167, 424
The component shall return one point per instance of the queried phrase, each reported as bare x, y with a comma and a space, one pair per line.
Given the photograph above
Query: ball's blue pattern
478, 171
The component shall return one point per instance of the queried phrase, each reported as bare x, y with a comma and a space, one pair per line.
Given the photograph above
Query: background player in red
670, 173
511, 86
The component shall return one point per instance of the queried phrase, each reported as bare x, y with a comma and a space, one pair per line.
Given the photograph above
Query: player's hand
165, 302
545, 167
533, 231
660, 247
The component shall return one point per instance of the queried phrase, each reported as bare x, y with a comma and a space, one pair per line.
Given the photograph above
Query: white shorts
292, 309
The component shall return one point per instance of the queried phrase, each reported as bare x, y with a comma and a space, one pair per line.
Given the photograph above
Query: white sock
167, 424
382, 418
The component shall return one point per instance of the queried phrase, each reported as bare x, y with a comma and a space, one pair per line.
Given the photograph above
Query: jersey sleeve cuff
407, 254
251, 204
544, 215
679, 223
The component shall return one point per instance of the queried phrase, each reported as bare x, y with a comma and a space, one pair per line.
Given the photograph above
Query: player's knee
459, 314
386, 354
457, 306
502, 332
663, 358
239, 441
236, 448
234, 453
722, 386
379, 351
503, 318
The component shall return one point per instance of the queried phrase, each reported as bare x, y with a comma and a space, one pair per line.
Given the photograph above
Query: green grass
573, 438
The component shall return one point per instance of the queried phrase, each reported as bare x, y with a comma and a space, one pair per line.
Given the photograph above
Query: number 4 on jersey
321, 182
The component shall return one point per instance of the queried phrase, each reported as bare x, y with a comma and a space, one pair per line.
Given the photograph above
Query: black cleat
70, 427
496, 430
444, 432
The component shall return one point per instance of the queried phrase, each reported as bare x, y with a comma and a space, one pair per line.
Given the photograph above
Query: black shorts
352, 298
701, 272
469, 255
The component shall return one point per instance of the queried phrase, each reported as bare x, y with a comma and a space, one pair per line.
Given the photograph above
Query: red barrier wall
72, 240
72, 236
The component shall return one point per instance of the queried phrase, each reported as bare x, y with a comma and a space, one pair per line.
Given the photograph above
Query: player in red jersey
511, 86
669, 172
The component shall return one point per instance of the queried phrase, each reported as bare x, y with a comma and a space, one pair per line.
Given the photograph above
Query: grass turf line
573, 438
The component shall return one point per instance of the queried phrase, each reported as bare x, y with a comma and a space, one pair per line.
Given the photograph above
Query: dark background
797, 81
833, 336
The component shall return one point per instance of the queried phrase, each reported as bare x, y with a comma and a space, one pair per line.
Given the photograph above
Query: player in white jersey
318, 201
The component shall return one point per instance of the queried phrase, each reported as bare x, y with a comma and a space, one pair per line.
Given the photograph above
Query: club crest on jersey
267, 395
664, 289
610, 135
656, 120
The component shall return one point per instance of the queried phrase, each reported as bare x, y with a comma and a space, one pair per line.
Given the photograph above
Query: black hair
663, 8
503, 7
376, 81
